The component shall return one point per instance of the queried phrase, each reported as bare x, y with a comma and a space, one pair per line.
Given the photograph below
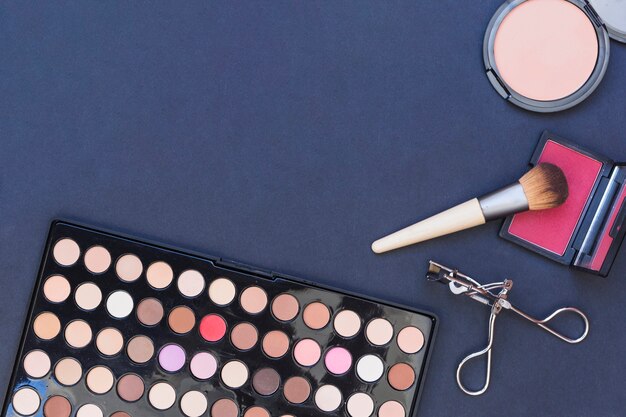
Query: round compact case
549, 55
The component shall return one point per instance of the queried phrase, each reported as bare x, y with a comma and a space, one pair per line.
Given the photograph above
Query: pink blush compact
586, 231
553, 229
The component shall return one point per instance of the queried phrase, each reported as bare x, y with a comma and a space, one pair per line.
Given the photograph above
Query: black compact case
214, 388
587, 231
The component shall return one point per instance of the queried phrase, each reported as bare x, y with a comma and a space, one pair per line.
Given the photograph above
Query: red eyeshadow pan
552, 229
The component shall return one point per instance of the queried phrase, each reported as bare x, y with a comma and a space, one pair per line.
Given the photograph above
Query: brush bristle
545, 187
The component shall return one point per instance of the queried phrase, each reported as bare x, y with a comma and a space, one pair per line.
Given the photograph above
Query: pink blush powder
545, 49
552, 229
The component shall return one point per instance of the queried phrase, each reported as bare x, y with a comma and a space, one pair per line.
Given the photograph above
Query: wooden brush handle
463, 216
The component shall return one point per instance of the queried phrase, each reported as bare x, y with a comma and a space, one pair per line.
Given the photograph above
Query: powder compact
549, 55
587, 230
123, 328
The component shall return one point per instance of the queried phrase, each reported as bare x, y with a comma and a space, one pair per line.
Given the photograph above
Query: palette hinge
245, 268
594, 15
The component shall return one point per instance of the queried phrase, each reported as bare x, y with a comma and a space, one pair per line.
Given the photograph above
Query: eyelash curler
461, 284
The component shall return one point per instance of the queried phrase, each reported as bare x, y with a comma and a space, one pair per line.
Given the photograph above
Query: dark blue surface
289, 135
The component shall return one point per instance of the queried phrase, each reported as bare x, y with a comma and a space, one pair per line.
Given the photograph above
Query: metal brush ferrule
505, 201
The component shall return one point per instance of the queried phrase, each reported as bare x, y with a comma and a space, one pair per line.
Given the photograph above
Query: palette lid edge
616, 33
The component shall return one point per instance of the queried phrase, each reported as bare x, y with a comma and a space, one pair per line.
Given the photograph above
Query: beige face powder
545, 49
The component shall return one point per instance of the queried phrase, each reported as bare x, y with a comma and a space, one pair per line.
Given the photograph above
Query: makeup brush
542, 187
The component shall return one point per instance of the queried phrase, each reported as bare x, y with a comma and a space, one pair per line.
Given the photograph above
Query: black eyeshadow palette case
123, 328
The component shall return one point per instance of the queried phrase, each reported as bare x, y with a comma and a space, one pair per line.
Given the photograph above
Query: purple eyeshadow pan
172, 358
123, 328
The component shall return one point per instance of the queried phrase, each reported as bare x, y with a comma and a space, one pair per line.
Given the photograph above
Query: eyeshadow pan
203, 365
256, 411
275, 344
109, 341
97, 259
307, 352
68, 371
328, 398
88, 296
99, 380
181, 320
190, 283
370, 368
46, 326
172, 357
253, 300
78, 334
130, 387
338, 360
212, 327
56, 289
140, 349
26, 401
347, 323
128, 268
360, 405
401, 376
194, 404
297, 390
316, 315
234, 374
410, 339
379, 332
159, 275
57, 406
391, 409
266, 381
285, 307
222, 291
150, 311
66, 252
89, 410
224, 407
37, 363
120, 414
162, 396
120, 304
244, 336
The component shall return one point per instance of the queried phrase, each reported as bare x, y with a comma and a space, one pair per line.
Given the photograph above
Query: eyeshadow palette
586, 231
122, 328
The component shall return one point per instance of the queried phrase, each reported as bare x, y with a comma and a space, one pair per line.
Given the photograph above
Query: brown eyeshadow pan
266, 381
122, 328
57, 406
181, 319
150, 311
130, 387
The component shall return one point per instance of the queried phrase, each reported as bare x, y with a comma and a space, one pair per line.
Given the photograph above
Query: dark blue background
289, 135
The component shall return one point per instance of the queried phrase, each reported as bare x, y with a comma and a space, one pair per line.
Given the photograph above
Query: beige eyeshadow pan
56, 289
68, 371
37, 363
47, 325
128, 267
97, 259
66, 252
